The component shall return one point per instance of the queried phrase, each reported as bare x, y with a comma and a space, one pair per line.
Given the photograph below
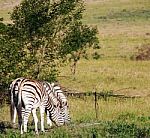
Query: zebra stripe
56, 89
40, 98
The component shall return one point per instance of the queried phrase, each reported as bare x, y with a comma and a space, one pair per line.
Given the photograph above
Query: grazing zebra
56, 89
29, 95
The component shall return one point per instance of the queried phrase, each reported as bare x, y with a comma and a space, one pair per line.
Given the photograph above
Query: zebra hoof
49, 125
36, 132
13, 125
43, 131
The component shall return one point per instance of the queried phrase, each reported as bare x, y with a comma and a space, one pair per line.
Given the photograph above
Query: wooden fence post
96, 105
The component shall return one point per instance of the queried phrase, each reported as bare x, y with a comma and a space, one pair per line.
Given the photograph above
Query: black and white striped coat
29, 95
58, 92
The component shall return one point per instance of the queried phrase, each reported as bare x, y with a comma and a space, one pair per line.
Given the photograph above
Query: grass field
121, 118
123, 26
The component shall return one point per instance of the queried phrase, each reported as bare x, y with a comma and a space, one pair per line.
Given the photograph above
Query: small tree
77, 41
46, 32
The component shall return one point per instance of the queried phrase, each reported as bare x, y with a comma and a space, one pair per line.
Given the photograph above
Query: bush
121, 129
143, 53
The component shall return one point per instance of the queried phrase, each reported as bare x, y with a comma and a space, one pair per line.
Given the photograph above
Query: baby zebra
29, 95
56, 89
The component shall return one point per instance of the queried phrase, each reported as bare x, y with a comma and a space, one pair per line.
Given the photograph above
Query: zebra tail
19, 106
12, 105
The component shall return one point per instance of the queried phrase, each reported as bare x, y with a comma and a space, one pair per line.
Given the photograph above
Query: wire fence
5, 96
94, 96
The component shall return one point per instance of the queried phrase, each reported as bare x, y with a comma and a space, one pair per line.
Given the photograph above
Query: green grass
117, 129
112, 10
110, 74
116, 118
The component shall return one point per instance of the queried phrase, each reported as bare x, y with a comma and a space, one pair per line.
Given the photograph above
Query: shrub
143, 53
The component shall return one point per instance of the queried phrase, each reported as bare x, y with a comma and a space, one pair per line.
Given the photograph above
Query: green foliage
10, 56
78, 37
122, 129
44, 32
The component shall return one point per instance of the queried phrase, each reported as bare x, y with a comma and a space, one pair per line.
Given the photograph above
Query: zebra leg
14, 115
26, 117
23, 111
13, 109
42, 111
49, 122
20, 120
35, 120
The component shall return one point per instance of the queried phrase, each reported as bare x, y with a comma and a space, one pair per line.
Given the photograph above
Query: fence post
96, 105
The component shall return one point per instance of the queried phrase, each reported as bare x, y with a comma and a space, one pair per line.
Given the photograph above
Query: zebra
56, 89
31, 94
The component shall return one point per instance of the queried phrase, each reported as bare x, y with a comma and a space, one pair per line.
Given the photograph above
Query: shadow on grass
4, 126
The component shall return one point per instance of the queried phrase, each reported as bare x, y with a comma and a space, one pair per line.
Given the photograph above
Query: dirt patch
5, 4
143, 53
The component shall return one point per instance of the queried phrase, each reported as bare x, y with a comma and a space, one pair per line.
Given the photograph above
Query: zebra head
58, 92
55, 112
59, 100
65, 112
